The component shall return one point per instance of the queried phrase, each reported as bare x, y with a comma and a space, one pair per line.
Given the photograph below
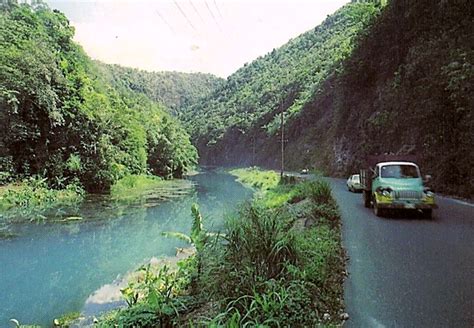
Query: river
50, 269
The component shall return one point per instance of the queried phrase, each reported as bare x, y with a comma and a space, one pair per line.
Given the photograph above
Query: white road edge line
458, 201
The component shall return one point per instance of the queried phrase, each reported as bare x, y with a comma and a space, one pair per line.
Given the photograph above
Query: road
405, 271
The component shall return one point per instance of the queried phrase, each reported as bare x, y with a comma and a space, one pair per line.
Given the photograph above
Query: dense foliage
253, 96
371, 79
175, 90
60, 119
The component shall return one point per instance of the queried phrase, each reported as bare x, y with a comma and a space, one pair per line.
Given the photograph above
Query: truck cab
396, 185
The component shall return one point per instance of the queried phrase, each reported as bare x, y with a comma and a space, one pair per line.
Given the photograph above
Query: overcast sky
210, 36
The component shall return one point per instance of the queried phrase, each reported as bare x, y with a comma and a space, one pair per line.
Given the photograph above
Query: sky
209, 36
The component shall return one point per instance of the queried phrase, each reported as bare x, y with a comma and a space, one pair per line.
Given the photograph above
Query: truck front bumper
407, 205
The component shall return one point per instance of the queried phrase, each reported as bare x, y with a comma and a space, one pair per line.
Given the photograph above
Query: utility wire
165, 21
182, 12
218, 10
212, 15
196, 11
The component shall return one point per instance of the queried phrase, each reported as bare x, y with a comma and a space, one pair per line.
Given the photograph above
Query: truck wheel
428, 214
366, 196
378, 211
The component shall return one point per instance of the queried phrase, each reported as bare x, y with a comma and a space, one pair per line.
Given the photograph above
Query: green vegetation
34, 194
143, 188
376, 77
280, 263
154, 300
67, 319
198, 234
62, 120
175, 90
256, 178
247, 106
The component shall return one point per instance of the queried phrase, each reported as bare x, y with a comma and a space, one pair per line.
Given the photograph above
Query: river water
50, 269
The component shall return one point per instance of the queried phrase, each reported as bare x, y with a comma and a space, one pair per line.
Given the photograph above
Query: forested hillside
291, 74
175, 90
371, 79
59, 118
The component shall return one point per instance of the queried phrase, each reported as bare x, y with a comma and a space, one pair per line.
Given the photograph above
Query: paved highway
405, 271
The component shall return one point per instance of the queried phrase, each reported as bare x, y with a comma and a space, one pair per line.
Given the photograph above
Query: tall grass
132, 186
259, 245
270, 273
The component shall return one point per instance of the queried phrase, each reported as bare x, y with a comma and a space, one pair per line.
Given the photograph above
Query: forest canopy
61, 119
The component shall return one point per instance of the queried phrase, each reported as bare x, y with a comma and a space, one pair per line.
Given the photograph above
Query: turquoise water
50, 269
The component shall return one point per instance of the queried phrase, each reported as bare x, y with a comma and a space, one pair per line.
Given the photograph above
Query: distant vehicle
353, 183
394, 182
304, 171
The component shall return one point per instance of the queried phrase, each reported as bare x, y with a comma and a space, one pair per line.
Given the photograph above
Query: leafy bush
154, 298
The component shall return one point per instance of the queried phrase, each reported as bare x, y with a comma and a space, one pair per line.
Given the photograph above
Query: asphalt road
406, 271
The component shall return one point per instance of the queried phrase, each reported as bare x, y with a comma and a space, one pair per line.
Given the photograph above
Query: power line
182, 12
212, 15
218, 10
165, 21
196, 11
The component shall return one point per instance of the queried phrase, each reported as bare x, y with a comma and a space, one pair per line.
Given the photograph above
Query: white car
353, 183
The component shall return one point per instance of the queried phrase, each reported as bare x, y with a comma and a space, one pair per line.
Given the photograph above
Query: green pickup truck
392, 182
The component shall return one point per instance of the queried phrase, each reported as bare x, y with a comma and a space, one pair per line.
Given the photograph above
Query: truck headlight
386, 192
429, 194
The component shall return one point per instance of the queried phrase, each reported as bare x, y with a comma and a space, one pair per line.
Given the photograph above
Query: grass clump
132, 186
255, 177
140, 188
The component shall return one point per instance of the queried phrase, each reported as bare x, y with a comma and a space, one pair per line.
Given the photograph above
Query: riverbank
278, 263
34, 200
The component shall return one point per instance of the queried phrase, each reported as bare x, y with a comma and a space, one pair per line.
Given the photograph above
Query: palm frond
178, 235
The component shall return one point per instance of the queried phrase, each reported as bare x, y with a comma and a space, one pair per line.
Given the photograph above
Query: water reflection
51, 268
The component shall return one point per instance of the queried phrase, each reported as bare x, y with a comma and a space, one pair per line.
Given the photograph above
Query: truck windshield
399, 171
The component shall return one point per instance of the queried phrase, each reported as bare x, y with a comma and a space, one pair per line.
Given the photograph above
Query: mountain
175, 90
372, 78
290, 74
